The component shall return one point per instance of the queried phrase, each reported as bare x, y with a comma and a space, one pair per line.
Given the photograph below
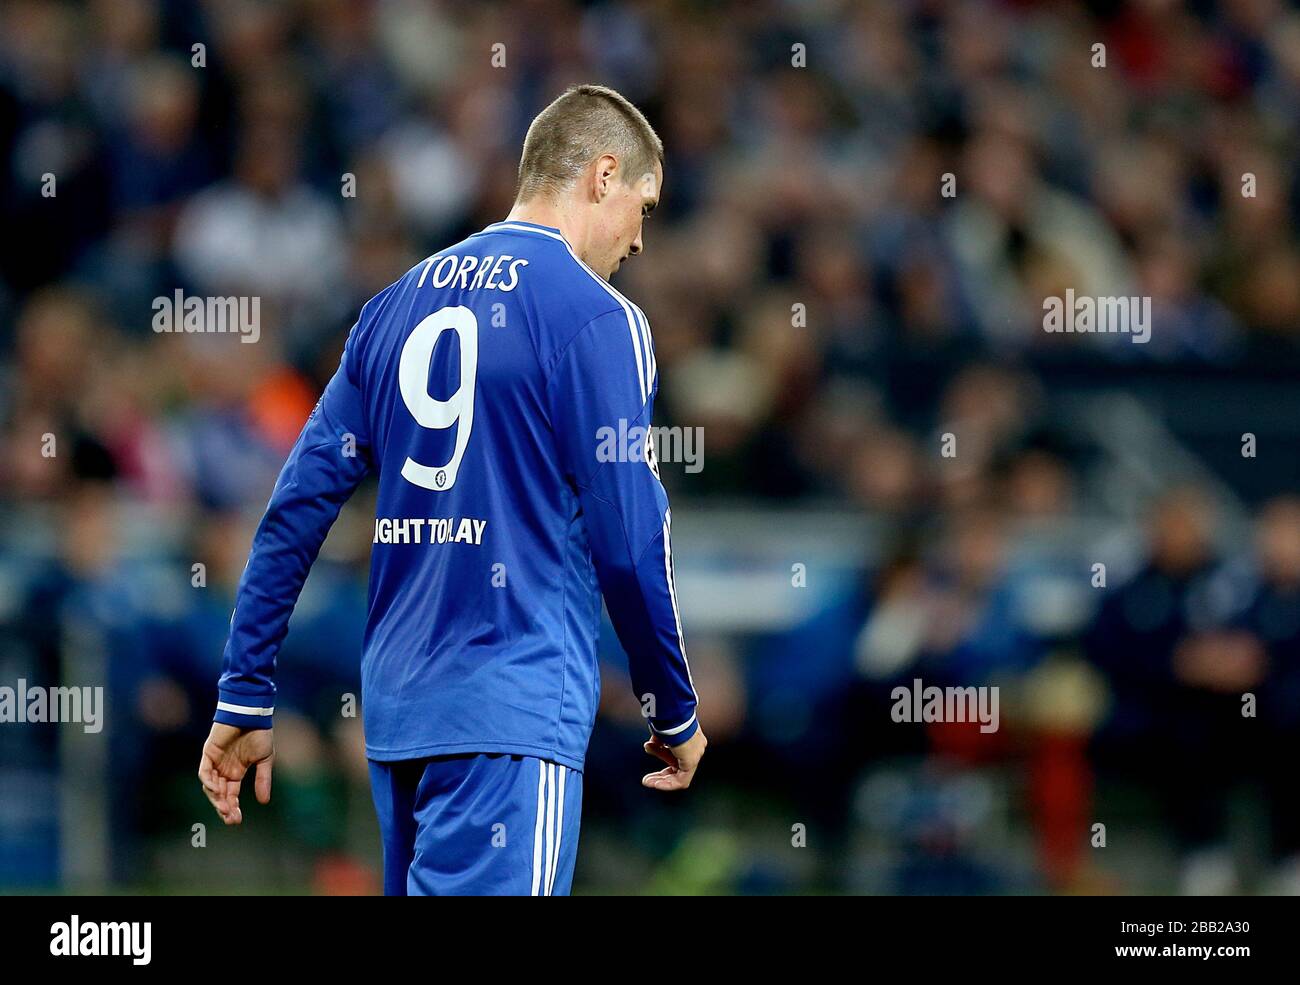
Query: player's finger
262, 782
208, 774
666, 779
232, 799
649, 779
216, 802
678, 781
212, 785
673, 778
660, 751
666, 783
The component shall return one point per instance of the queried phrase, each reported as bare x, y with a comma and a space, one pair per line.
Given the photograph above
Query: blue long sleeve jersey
502, 391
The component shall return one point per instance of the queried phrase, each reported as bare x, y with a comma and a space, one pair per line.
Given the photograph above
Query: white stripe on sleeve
244, 709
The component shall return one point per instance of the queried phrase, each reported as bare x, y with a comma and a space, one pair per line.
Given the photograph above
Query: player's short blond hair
585, 122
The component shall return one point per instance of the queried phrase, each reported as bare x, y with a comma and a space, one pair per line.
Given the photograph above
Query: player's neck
543, 213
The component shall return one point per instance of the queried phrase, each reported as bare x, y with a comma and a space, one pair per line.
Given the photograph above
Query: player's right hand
682, 762
227, 756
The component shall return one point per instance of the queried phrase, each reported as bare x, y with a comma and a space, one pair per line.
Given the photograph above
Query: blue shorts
485, 824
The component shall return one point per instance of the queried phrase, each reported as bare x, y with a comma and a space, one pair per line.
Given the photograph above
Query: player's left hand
682, 760
227, 755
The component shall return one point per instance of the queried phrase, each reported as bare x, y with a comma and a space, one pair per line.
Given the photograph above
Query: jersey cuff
677, 734
248, 711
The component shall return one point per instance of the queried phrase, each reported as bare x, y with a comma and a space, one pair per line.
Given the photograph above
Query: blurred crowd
821, 308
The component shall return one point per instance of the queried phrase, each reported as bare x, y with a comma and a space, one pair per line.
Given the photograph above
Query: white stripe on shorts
559, 831
537, 832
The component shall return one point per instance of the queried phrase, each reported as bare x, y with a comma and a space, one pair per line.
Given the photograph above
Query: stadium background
826, 552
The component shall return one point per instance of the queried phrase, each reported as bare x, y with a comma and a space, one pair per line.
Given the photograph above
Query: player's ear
606, 171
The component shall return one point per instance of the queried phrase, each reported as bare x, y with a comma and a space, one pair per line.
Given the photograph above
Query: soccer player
483, 388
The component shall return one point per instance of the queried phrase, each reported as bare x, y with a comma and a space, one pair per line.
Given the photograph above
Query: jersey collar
519, 226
